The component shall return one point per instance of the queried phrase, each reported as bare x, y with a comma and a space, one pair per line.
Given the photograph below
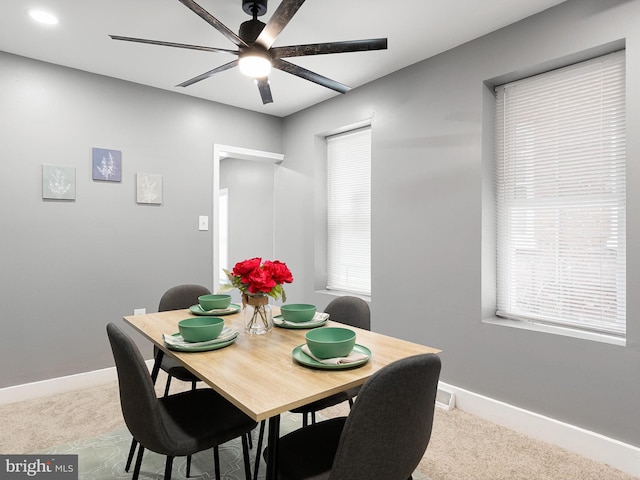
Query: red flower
249, 276
279, 270
260, 280
244, 268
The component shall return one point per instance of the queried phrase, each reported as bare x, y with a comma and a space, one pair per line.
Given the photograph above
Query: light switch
203, 222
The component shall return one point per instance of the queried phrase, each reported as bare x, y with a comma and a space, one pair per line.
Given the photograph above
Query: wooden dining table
258, 374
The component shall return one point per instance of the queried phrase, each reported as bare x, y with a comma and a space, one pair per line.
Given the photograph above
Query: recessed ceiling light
43, 17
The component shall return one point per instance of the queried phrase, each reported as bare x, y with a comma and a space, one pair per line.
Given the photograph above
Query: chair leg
166, 388
167, 468
188, 465
132, 451
156, 366
136, 470
259, 449
305, 419
250, 440
193, 385
313, 417
245, 455
351, 406
216, 462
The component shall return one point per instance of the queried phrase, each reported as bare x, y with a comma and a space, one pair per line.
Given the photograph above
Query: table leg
272, 444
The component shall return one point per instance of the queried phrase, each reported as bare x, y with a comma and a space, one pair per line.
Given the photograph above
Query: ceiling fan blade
265, 90
214, 22
171, 44
280, 18
330, 47
219, 69
309, 75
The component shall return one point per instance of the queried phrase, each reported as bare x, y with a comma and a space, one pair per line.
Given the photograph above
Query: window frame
335, 282
493, 316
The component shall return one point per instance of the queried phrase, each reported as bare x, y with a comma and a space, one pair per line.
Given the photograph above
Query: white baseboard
53, 386
589, 444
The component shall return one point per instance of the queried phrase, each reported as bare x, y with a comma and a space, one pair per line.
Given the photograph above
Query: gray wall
428, 154
251, 210
68, 268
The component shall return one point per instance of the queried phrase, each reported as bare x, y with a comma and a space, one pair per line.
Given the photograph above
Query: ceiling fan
256, 54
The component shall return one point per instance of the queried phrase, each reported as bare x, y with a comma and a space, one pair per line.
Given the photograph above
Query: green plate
197, 310
304, 359
278, 321
202, 348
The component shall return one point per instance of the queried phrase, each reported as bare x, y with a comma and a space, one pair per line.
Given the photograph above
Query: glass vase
258, 318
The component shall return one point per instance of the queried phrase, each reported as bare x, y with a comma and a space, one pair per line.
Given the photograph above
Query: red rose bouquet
254, 277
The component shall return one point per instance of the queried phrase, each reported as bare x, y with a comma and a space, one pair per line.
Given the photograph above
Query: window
349, 212
560, 184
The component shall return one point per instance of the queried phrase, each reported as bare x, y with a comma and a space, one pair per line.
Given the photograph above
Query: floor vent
445, 399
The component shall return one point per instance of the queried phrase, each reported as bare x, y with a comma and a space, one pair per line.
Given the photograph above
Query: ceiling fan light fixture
254, 65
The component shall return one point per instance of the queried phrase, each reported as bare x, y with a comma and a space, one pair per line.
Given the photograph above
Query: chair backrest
351, 311
181, 296
389, 426
140, 407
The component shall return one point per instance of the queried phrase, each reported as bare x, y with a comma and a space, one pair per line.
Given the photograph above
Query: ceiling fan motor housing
250, 30
257, 7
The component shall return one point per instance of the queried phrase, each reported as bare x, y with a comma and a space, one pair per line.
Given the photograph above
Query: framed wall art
58, 182
149, 188
106, 165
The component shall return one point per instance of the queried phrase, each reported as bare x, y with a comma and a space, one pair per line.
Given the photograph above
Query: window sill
337, 293
555, 330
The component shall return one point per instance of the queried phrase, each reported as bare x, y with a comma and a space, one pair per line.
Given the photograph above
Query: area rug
104, 457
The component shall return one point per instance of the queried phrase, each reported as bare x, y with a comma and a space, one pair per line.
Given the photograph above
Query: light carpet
104, 457
462, 446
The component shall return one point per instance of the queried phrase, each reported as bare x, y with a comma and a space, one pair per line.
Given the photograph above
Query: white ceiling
416, 29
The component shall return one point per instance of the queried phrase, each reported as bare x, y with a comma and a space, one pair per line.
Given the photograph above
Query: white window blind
560, 183
349, 212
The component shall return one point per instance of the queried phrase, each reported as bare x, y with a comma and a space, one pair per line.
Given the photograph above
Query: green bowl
211, 301
298, 312
331, 342
200, 329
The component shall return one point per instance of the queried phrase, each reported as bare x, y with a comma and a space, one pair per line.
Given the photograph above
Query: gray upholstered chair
174, 425
384, 437
351, 311
178, 297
